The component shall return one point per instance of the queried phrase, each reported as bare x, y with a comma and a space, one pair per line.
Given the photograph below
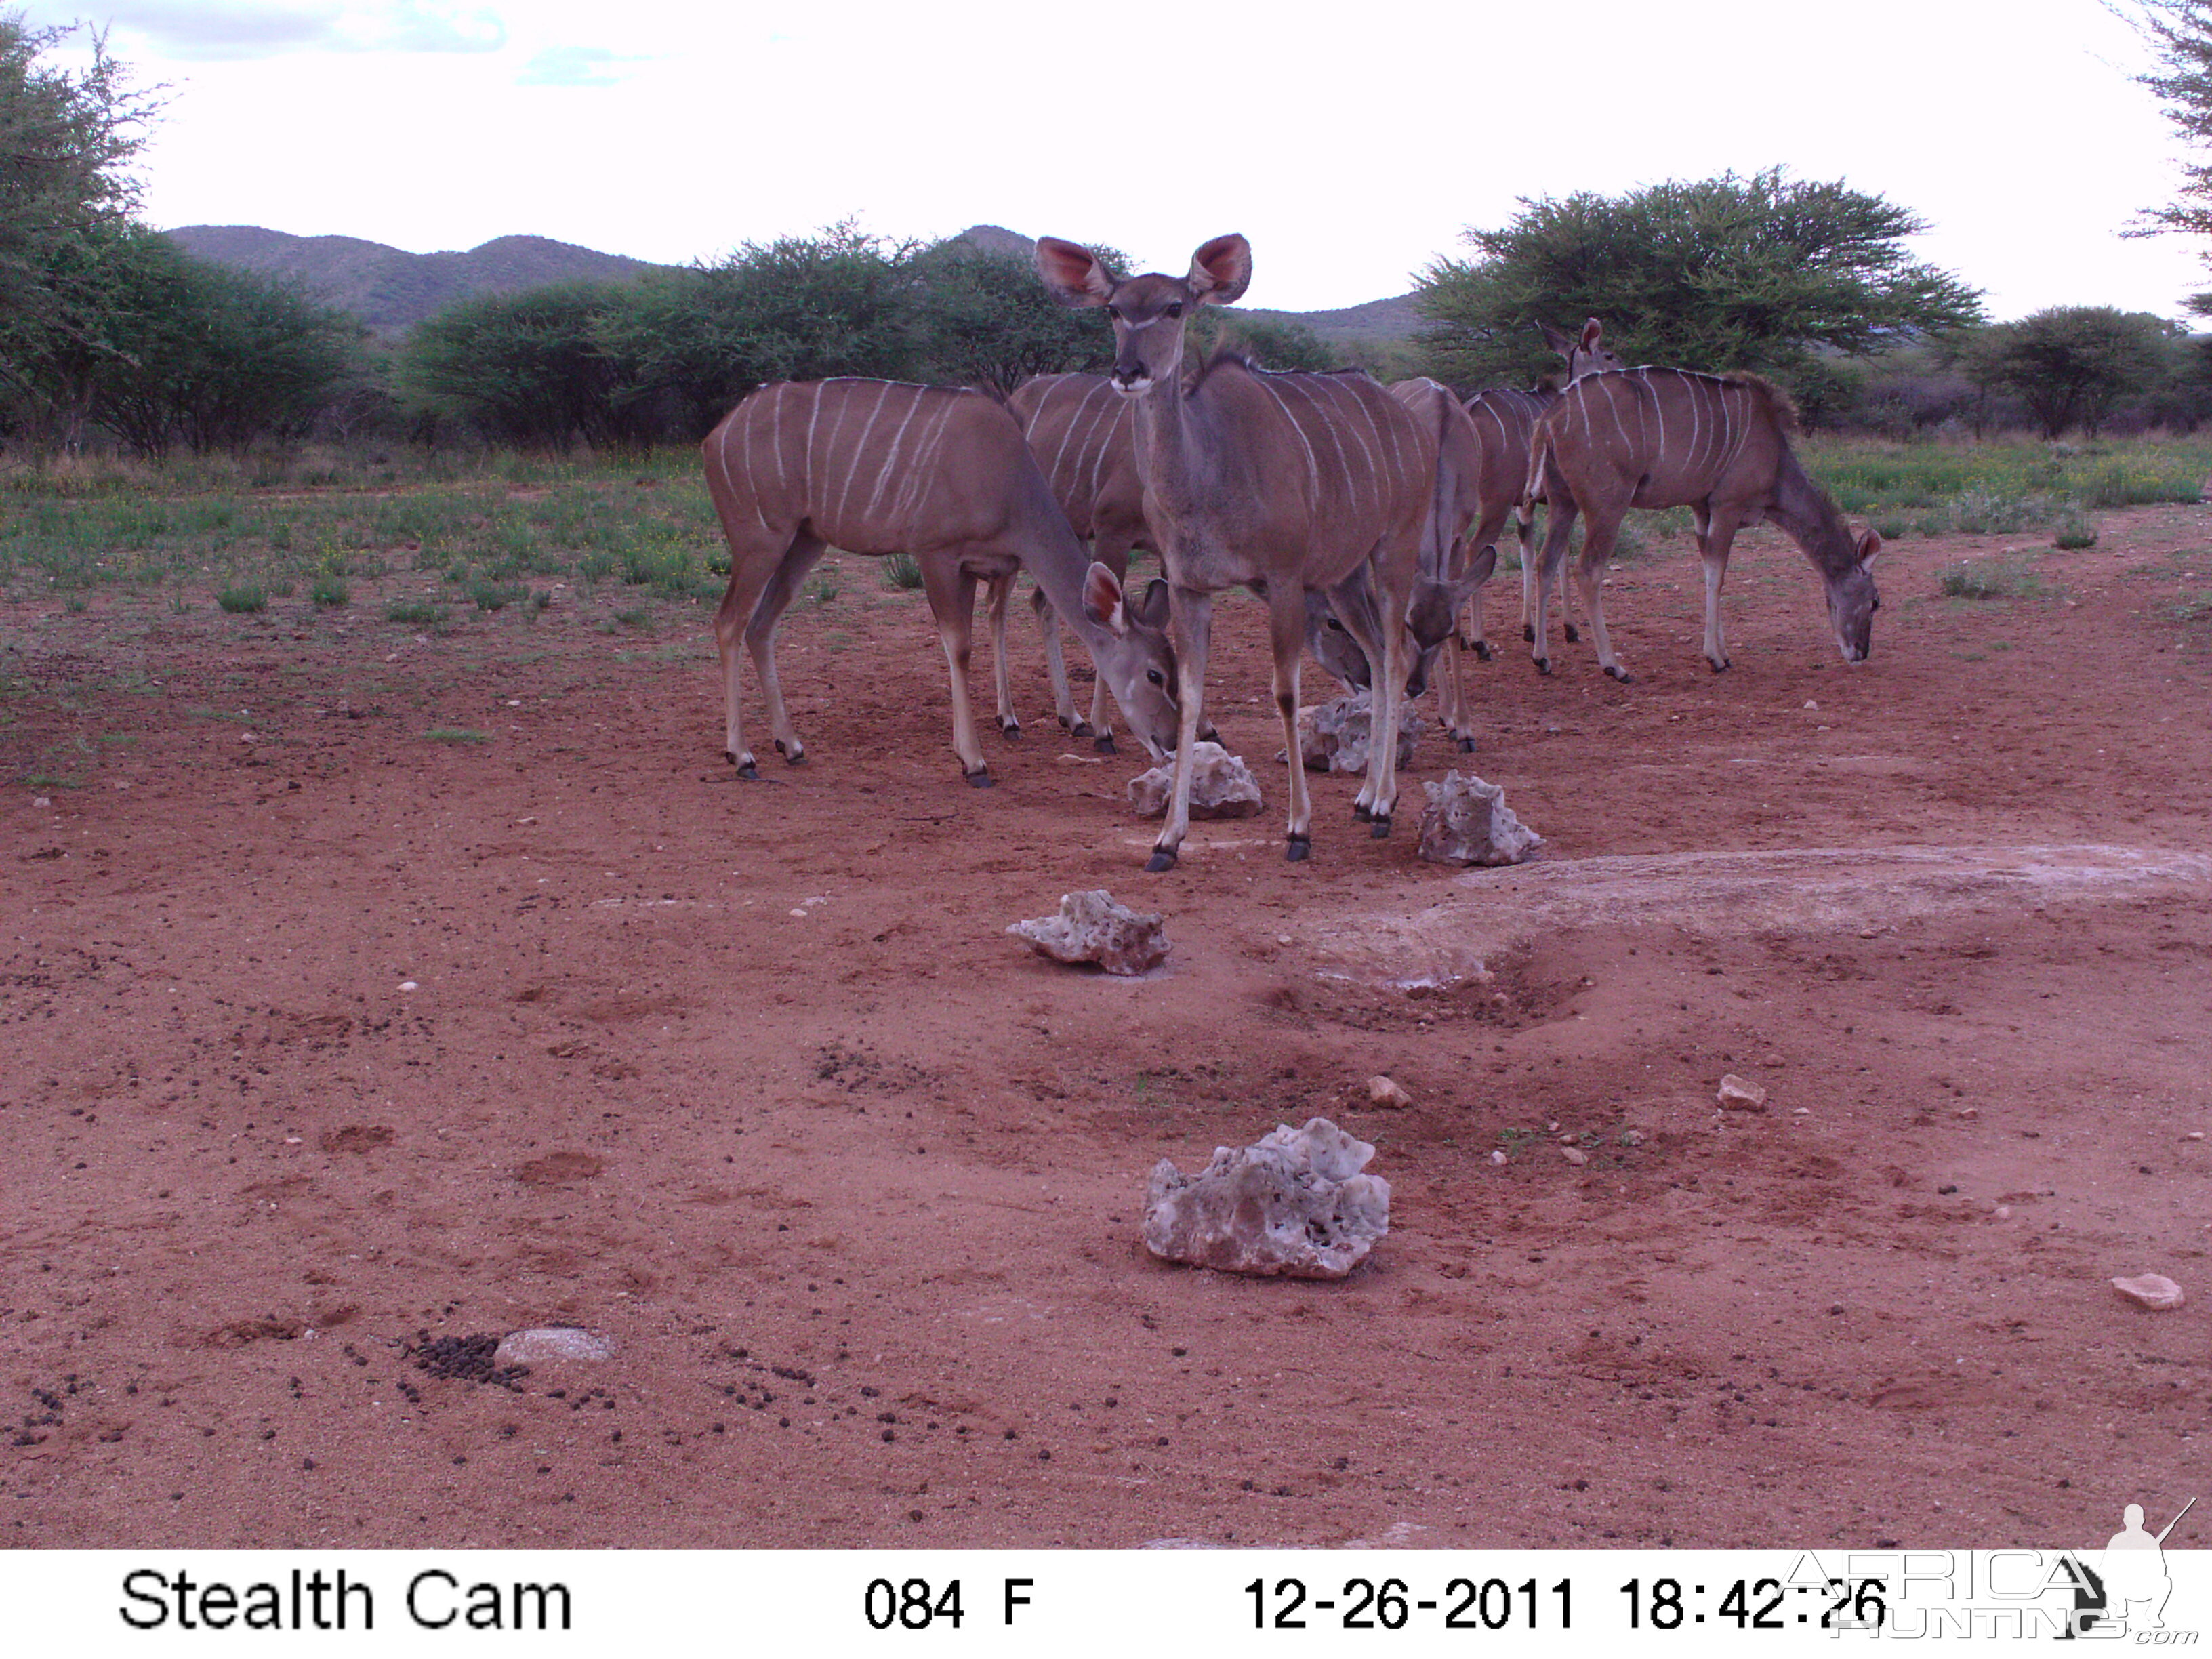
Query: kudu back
941, 473
1717, 444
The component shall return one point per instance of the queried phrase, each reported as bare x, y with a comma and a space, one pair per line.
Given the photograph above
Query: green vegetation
1750, 272
330, 592
2002, 487
456, 734
415, 613
903, 570
1991, 578
245, 599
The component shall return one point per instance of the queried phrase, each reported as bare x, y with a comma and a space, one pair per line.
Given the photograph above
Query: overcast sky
1351, 143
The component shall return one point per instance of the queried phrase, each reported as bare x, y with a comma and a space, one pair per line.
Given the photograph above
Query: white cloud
231, 31
575, 66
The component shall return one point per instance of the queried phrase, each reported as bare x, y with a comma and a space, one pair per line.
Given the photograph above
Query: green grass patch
462, 734
329, 592
2074, 532
244, 599
1990, 579
903, 570
415, 613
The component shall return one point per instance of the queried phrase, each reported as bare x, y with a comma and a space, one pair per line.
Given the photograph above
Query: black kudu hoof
1080, 729
1105, 745
748, 772
790, 757
1163, 859
1573, 634
979, 779
1543, 665
1381, 826
1360, 812
1621, 674
1718, 667
1466, 744
1529, 632
1011, 733
1299, 849
1482, 651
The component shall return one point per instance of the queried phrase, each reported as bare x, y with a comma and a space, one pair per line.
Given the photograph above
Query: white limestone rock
1221, 787
1738, 1094
2152, 1291
1467, 822
1333, 736
1294, 1204
549, 1344
1388, 1093
1093, 926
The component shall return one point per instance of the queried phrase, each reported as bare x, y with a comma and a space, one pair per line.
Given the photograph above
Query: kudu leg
1056, 662
951, 592
1597, 546
997, 596
776, 594
749, 574
1190, 622
1286, 636
1560, 511
1451, 697
1716, 536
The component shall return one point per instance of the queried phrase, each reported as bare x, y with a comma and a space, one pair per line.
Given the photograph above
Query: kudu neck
1809, 515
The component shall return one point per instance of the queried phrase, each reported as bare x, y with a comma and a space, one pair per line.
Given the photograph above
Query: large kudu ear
1593, 333
1869, 544
1071, 273
1101, 600
1221, 270
1472, 573
1153, 609
1561, 343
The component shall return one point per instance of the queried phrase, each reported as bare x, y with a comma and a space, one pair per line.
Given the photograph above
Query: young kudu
938, 473
1083, 433
1718, 444
1277, 482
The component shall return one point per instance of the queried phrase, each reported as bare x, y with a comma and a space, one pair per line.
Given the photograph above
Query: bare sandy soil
748, 1078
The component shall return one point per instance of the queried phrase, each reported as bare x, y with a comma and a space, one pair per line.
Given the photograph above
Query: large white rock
550, 1343
1094, 926
2152, 1291
1293, 1204
1221, 787
1467, 821
1333, 736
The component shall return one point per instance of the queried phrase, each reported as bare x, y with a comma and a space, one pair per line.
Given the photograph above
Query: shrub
1989, 578
456, 734
497, 596
244, 598
2075, 531
903, 570
416, 613
330, 592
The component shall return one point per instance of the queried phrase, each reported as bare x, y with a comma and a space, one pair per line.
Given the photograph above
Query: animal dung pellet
2152, 1291
1093, 926
1739, 1094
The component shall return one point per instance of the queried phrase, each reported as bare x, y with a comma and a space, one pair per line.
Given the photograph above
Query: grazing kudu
938, 473
1718, 444
1083, 433
1277, 482
1446, 575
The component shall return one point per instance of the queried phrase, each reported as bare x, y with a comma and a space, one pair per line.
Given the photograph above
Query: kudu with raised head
1717, 444
941, 473
1281, 483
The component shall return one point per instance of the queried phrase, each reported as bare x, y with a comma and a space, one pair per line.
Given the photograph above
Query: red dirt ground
748, 1078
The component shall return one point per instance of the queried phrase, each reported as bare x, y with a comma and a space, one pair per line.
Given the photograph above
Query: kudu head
1331, 644
1853, 600
1135, 657
1149, 312
1585, 353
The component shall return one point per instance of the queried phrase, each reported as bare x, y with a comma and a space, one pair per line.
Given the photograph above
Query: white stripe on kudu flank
1372, 470
1067, 431
1313, 465
812, 415
860, 450
1328, 429
819, 479
891, 455
1098, 434
914, 488
775, 438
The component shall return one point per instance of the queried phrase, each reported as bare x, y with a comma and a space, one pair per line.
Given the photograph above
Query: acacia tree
2179, 35
2069, 364
1756, 272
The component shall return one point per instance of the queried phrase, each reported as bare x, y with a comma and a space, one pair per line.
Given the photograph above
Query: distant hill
389, 288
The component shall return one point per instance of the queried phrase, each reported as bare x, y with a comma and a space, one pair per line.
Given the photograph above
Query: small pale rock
1736, 1094
408, 985
42, 800
1498, 1157
549, 1344
1632, 1137
1093, 927
1333, 736
2152, 1291
2194, 1134
1809, 703
1221, 787
1574, 1155
1388, 1092
1295, 1203
2003, 1213
1969, 1113
1467, 822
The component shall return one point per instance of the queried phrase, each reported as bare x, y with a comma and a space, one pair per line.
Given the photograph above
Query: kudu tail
1540, 457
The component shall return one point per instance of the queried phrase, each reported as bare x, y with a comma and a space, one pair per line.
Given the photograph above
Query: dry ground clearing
748, 1078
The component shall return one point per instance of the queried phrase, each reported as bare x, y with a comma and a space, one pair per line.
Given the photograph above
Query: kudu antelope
1718, 444
1277, 482
1083, 433
938, 473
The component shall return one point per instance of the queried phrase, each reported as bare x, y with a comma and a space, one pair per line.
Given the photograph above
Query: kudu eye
1155, 677
1174, 310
